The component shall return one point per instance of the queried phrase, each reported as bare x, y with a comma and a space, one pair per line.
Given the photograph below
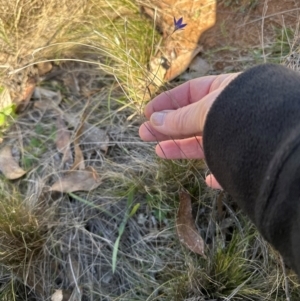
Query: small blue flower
178, 24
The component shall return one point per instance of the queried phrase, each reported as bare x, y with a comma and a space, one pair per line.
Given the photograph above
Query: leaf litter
79, 177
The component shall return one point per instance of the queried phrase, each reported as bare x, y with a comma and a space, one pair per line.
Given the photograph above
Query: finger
180, 96
187, 93
148, 133
212, 182
190, 148
186, 121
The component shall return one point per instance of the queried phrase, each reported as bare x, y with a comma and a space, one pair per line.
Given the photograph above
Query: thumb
185, 121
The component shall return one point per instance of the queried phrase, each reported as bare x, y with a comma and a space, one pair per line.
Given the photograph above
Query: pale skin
176, 119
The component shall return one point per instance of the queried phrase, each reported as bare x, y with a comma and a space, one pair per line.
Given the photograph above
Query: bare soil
245, 25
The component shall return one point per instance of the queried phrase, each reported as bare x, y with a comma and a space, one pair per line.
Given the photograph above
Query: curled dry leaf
8, 165
77, 180
185, 226
63, 141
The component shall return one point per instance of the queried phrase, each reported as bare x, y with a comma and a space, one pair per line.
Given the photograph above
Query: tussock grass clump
21, 228
23, 233
127, 41
25, 27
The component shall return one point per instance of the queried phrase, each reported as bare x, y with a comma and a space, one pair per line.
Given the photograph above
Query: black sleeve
252, 146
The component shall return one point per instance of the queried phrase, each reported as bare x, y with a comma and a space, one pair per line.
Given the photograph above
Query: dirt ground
245, 25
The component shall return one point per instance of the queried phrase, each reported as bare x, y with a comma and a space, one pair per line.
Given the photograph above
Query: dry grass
57, 241
94, 31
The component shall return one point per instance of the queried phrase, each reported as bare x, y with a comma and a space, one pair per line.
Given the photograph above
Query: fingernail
158, 118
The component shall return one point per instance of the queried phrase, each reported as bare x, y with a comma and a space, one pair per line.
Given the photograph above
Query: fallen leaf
77, 180
94, 138
63, 295
63, 141
57, 295
185, 226
8, 165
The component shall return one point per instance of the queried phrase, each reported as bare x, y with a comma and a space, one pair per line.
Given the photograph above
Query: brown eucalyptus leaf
77, 180
185, 226
63, 141
8, 165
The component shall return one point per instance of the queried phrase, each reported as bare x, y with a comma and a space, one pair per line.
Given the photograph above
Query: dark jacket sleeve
252, 146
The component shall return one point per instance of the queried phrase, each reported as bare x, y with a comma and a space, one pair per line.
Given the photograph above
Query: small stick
287, 291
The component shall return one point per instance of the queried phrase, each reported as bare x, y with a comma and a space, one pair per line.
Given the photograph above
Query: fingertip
211, 182
145, 132
159, 151
141, 131
148, 110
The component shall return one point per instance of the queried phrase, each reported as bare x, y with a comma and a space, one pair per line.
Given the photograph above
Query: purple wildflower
178, 24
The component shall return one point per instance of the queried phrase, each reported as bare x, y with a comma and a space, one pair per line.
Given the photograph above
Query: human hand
177, 118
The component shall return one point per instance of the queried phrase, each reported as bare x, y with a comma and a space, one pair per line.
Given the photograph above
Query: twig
286, 282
